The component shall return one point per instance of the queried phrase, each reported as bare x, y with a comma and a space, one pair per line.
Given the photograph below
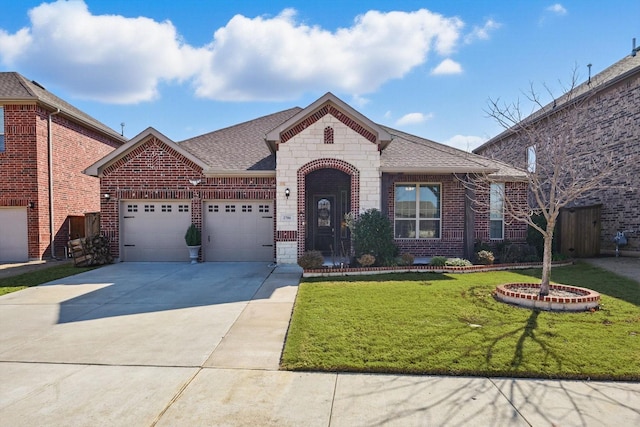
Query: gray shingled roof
627, 66
240, 147
14, 87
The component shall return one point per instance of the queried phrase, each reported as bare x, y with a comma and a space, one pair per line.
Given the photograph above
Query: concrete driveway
174, 344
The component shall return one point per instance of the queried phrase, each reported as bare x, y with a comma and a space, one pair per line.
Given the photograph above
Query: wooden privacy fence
580, 231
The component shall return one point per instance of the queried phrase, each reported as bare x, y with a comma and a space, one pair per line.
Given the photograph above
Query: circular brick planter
566, 298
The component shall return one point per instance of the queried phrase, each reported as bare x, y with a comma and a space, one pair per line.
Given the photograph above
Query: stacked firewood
87, 251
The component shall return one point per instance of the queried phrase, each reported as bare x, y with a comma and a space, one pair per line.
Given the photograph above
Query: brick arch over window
315, 165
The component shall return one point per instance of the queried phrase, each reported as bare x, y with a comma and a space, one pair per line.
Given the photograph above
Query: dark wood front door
324, 223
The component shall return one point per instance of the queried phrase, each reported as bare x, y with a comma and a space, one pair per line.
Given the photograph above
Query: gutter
50, 158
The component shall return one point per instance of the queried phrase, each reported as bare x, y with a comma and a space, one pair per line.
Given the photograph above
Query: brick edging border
331, 272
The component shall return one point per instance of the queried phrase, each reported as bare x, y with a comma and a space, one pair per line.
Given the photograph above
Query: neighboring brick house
43, 139
277, 186
610, 125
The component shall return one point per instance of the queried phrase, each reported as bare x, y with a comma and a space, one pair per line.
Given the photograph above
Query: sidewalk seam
510, 402
175, 398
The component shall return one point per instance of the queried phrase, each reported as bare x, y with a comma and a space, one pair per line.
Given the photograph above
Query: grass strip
38, 277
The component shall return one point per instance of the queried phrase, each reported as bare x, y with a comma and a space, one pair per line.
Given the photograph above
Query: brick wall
24, 174
610, 126
154, 170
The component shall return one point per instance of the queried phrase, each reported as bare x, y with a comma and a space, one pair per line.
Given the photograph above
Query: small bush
406, 259
311, 260
514, 253
457, 262
438, 261
367, 260
485, 257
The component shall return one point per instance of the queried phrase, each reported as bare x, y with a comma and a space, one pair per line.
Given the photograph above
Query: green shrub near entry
373, 234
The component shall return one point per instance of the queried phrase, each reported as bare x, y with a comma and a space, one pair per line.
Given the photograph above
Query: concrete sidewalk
172, 344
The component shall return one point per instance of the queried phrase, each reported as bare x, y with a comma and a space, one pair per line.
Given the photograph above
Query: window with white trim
496, 211
531, 158
1, 129
417, 211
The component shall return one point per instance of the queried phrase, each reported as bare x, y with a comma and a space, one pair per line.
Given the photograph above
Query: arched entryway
329, 188
328, 199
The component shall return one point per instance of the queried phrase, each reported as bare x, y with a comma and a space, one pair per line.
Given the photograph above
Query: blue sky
425, 67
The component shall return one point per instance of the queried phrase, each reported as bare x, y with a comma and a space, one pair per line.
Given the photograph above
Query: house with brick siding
611, 125
45, 144
272, 188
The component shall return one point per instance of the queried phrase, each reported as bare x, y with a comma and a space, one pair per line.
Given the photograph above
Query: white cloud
413, 119
557, 8
117, 59
466, 143
448, 66
482, 33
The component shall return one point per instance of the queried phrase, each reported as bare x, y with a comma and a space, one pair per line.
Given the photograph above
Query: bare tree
563, 164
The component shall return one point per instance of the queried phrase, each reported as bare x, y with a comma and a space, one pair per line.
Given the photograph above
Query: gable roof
626, 67
381, 135
97, 168
16, 89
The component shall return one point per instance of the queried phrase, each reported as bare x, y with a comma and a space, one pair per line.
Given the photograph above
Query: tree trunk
547, 257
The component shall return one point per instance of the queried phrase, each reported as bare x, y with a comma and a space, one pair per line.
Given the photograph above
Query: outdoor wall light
31, 205
287, 193
106, 196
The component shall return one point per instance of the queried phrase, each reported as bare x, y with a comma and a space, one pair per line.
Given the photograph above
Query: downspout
50, 156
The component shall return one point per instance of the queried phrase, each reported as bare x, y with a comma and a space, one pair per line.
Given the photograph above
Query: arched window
328, 135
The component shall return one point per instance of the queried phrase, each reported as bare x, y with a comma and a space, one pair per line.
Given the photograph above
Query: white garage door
14, 243
154, 230
238, 231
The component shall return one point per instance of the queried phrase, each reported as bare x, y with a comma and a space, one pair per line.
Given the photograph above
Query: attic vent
38, 84
328, 135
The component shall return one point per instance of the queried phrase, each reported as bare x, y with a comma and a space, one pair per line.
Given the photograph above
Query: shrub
406, 259
373, 234
485, 257
438, 261
367, 260
192, 237
513, 253
457, 262
311, 260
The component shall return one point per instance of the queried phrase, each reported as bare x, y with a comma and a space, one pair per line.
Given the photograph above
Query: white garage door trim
238, 230
14, 236
153, 230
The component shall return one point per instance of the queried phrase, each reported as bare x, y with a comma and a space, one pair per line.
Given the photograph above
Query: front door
324, 224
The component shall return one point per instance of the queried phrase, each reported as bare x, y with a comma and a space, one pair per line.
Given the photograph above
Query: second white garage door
238, 231
154, 230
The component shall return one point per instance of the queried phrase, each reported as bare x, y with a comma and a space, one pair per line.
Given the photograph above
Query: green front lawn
432, 323
38, 277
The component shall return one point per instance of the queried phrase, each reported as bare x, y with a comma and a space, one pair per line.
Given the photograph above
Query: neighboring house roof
628, 66
15, 88
240, 147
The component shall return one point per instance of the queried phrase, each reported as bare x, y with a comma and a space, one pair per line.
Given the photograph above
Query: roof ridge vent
38, 84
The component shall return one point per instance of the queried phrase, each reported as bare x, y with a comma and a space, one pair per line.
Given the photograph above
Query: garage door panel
154, 230
239, 231
14, 238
